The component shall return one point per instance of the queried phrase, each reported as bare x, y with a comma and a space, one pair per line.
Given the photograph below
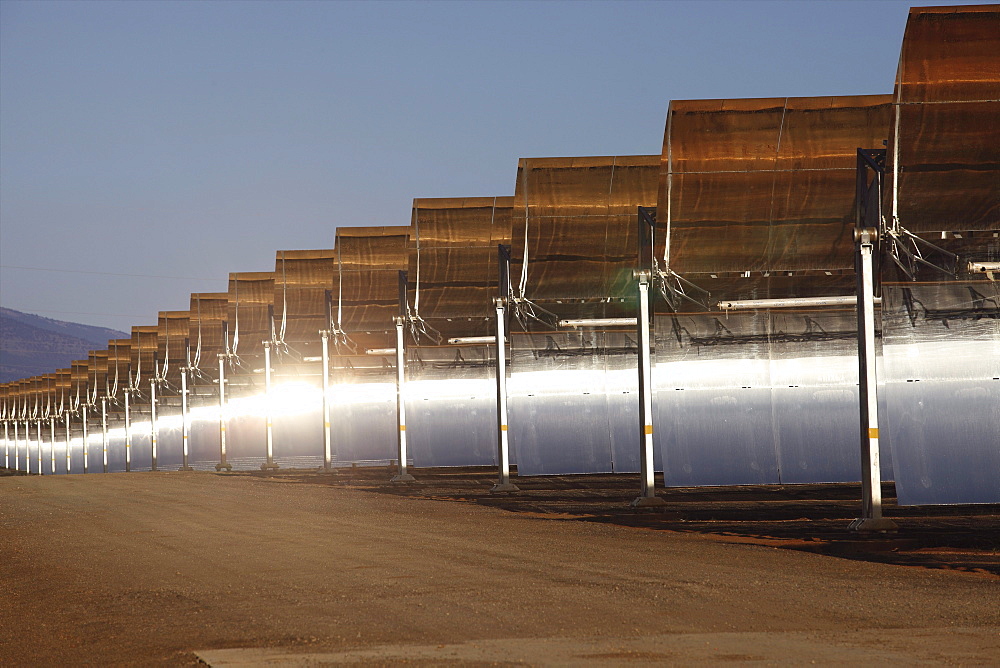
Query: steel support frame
52, 443
871, 477
185, 421
104, 431
503, 415
152, 420
85, 431
401, 474
867, 236
324, 336
69, 461
268, 414
223, 415
644, 275
38, 427
503, 440
128, 431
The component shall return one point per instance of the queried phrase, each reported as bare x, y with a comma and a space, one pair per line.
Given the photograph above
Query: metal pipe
327, 441
984, 267
152, 420
459, 340
268, 420
223, 464
402, 475
791, 302
380, 351
185, 421
6, 442
871, 479
128, 431
598, 322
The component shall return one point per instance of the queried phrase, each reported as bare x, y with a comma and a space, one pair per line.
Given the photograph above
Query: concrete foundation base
873, 525
648, 502
505, 487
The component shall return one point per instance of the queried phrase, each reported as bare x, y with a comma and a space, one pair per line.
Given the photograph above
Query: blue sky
174, 142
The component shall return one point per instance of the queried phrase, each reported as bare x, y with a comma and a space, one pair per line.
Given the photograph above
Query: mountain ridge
31, 345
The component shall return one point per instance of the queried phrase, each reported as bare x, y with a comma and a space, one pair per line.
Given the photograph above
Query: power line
116, 315
105, 273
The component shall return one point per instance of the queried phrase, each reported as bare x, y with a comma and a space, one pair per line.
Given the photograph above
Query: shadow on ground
812, 518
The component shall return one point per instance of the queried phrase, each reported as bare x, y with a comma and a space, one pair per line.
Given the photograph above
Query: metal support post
647, 495
6, 444
38, 427
402, 475
17, 457
325, 374
86, 437
69, 461
104, 432
128, 431
52, 443
503, 441
185, 421
871, 478
268, 420
152, 420
223, 416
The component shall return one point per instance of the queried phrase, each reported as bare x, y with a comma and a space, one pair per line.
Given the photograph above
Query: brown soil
296, 567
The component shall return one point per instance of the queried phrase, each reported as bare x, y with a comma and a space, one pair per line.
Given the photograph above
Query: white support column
38, 427
185, 421
52, 443
69, 460
327, 440
223, 416
503, 440
402, 475
128, 431
268, 418
152, 420
871, 477
104, 431
17, 458
647, 494
86, 436
6, 444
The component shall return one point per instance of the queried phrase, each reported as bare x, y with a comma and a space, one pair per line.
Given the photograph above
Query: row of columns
871, 478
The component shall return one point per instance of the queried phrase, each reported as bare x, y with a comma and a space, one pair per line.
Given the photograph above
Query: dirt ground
300, 568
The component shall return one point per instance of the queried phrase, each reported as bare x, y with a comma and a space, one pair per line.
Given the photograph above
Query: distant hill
31, 345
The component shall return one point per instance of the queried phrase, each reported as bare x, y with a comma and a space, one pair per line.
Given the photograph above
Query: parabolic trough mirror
388, 342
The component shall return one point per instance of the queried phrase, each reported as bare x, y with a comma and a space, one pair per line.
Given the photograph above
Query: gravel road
173, 568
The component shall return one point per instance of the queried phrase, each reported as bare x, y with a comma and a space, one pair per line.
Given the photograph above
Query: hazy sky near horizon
174, 142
